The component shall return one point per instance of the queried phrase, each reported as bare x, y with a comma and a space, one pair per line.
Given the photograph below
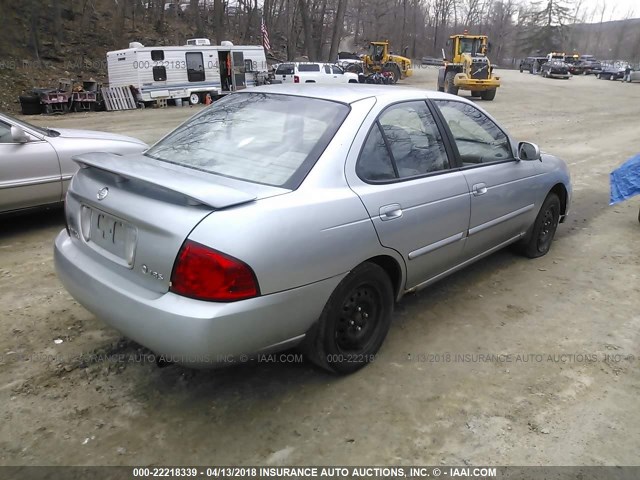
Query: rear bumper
184, 330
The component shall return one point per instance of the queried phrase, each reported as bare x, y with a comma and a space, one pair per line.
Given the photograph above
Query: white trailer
186, 72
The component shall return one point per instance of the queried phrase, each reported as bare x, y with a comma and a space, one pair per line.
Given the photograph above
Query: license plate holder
113, 237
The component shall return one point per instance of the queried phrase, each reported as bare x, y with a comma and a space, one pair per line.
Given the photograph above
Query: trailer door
239, 78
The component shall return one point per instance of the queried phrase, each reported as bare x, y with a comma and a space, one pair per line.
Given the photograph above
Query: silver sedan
36, 164
297, 216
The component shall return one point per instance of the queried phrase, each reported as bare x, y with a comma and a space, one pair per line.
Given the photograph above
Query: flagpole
265, 37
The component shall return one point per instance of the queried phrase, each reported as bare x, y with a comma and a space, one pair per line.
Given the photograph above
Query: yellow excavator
380, 60
468, 67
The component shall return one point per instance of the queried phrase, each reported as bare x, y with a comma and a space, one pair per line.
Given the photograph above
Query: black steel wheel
538, 242
354, 322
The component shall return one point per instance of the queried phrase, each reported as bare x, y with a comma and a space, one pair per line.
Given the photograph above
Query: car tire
353, 323
449, 87
194, 99
488, 94
544, 228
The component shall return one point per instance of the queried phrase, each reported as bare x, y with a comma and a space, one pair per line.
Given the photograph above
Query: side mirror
18, 135
528, 151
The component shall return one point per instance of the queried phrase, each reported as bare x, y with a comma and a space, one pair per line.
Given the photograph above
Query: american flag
265, 36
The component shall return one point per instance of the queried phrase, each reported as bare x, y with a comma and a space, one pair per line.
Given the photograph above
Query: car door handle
479, 189
389, 212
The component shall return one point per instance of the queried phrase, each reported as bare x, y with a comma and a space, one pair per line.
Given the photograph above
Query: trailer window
195, 67
159, 74
248, 66
157, 55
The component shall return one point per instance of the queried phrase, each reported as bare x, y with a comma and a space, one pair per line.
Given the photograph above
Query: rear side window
257, 137
405, 142
375, 163
308, 67
157, 55
284, 69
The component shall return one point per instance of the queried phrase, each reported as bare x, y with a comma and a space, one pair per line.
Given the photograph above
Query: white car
309, 72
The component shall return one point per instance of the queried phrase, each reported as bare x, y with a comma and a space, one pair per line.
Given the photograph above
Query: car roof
350, 93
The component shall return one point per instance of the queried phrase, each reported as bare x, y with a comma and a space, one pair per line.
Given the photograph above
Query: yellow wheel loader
380, 60
468, 67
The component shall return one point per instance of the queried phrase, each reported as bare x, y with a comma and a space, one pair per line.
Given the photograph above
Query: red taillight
296, 79
205, 274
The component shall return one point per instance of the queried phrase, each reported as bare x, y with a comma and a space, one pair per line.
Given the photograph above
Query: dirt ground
510, 362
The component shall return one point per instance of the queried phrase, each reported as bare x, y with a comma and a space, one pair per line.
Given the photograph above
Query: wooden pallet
118, 98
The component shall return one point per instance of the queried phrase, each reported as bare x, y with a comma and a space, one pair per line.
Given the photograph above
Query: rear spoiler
145, 169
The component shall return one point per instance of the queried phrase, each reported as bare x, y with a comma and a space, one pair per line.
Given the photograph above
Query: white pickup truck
308, 72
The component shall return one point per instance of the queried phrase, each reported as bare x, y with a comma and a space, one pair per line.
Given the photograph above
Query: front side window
5, 133
337, 70
256, 137
407, 139
479, 140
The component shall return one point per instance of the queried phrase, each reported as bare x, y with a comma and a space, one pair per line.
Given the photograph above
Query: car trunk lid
133, 213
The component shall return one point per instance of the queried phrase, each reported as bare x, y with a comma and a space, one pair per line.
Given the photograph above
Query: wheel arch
393, 269
561, 191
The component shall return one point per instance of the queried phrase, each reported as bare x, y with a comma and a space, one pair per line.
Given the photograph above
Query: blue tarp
625, 180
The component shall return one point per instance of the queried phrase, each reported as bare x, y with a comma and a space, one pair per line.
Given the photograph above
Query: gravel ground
563, 391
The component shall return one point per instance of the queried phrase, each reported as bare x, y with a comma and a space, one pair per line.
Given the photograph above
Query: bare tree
337, 29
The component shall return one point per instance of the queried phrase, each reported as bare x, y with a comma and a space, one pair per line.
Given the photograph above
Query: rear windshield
309, 67
285, 69
262, 138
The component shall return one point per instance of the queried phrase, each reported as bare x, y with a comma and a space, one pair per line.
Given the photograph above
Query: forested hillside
43, 40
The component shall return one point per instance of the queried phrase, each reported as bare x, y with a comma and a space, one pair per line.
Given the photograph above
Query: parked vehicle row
575, 64
234, 235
